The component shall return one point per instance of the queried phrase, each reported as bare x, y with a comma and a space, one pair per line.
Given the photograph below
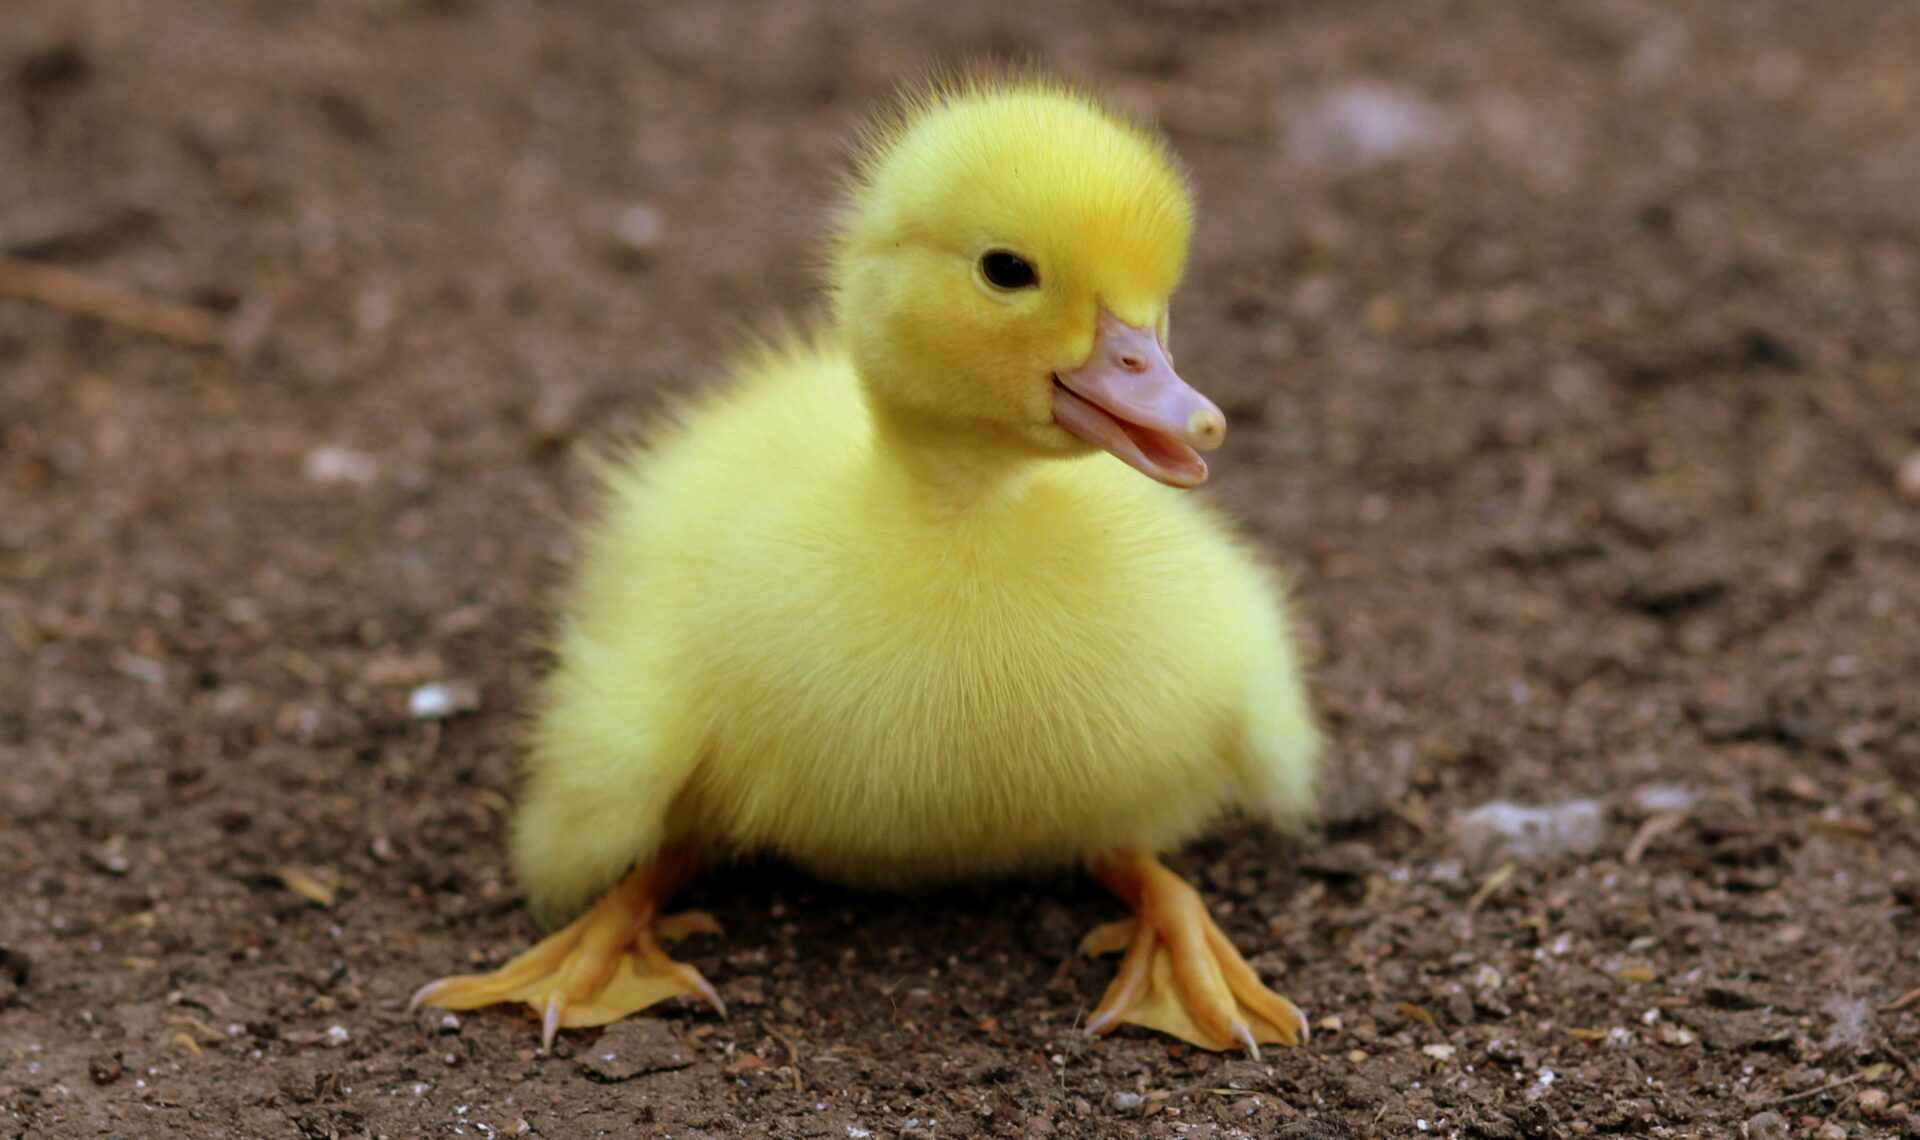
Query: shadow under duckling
886, 607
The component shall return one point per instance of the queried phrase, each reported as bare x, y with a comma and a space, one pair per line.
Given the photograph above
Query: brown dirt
1580, 422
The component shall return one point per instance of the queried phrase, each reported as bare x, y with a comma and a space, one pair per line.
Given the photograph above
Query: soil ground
1571, 352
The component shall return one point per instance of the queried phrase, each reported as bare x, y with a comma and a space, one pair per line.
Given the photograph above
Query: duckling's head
1003, 272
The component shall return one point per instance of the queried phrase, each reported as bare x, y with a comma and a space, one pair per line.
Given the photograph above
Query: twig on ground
1841, 1083
75, 293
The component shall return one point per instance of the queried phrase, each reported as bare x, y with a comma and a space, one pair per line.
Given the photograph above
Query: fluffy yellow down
861, 611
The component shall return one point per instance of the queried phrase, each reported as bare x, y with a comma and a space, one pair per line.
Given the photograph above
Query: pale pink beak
1127, 400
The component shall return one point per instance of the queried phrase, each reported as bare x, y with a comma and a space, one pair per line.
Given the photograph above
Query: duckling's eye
1005, 270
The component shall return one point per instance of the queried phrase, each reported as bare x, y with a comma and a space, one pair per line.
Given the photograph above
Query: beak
1127, 400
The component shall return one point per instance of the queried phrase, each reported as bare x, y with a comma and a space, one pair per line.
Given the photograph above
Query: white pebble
639, 229
1543, 1081
441, 699
341, 465
1365, 124
1501, 830
1909, 478
1656, 798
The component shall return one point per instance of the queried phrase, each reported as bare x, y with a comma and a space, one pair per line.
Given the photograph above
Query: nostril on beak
1128, 362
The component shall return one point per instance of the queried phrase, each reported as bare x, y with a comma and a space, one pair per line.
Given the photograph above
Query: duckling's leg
607, 964
1180, 975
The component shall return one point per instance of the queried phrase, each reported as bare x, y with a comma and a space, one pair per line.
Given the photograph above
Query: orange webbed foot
1179, 974
606, 964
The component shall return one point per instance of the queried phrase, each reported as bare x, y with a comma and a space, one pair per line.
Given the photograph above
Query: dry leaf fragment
1495, 881
205, 1031
306, 886
1652, 829
1415, 813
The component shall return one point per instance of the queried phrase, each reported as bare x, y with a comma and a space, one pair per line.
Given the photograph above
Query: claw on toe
1245, 1036
421, 996
1179, 974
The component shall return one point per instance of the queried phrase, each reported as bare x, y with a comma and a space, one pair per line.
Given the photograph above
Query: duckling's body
883, 608
835, 663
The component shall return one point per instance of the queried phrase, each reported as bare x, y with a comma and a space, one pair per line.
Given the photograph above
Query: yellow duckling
882, 607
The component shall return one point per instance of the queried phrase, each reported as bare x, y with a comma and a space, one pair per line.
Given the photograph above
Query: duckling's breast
901, 703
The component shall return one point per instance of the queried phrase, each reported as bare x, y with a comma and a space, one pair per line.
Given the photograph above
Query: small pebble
1766, 1126
556, 411
633, 236
374, 310
104, 1069
639, 229
1908, 479
341, 465
1831, 1131
634, 1048
1873, 1102
1125, 1101
442, 699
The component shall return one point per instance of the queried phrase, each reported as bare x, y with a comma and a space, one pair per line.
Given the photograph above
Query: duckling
886, 606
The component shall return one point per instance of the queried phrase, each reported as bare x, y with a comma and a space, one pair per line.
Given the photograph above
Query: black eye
1005, 270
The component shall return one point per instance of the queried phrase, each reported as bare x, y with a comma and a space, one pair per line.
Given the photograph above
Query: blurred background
1573, 356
